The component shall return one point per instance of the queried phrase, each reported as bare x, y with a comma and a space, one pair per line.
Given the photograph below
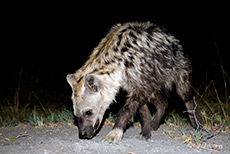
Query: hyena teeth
142, 59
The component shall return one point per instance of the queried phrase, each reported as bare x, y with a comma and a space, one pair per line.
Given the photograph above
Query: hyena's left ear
71, 78
93, 83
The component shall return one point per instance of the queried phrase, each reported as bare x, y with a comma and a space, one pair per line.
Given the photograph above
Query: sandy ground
63, 138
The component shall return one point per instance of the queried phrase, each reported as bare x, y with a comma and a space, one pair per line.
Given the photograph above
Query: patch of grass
111, 117
13, 112
216, 96
55, 116
61, 115
197, 136
214, 103
35, 116
175, 119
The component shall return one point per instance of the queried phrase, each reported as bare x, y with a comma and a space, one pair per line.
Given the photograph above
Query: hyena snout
88, 131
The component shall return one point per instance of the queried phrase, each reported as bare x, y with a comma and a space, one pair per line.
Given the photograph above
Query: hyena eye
88, 113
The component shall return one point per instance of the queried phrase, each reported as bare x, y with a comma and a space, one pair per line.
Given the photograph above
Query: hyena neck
106, 63
111, 85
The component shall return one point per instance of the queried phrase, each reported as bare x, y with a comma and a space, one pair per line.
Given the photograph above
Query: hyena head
87, 103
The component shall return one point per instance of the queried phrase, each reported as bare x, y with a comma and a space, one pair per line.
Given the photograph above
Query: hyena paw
114, 136
155, 125
145, 135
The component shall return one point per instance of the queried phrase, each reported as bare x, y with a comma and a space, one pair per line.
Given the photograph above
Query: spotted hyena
142, 59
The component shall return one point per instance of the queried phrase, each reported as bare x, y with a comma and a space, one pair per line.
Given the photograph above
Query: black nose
84, 133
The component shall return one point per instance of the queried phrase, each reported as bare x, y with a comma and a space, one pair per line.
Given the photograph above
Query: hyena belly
145, 61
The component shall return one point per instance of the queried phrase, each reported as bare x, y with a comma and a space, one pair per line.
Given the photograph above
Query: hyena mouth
89, 132
96, 125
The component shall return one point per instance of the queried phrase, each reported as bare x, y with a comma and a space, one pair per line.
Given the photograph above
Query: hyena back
143, 60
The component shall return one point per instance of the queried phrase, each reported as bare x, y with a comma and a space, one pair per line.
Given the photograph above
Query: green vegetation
32, 112
175, 119
12, 116
213, 103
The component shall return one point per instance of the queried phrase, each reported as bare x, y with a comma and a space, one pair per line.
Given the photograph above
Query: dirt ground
63, 138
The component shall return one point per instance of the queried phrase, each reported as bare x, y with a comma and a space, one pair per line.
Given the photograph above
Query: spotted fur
142, 59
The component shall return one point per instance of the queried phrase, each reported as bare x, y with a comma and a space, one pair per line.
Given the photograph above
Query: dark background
43, 43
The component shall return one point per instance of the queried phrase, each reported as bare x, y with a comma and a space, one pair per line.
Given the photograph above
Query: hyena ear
71, 78
93, 83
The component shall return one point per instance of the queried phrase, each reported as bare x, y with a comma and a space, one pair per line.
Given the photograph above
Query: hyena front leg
124, 117
145, 119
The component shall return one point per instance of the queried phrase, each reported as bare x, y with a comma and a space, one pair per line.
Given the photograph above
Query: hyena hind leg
160, 105
194, 117
145, 120
185, 92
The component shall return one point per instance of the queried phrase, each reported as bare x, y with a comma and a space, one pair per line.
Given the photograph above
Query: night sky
47, 43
